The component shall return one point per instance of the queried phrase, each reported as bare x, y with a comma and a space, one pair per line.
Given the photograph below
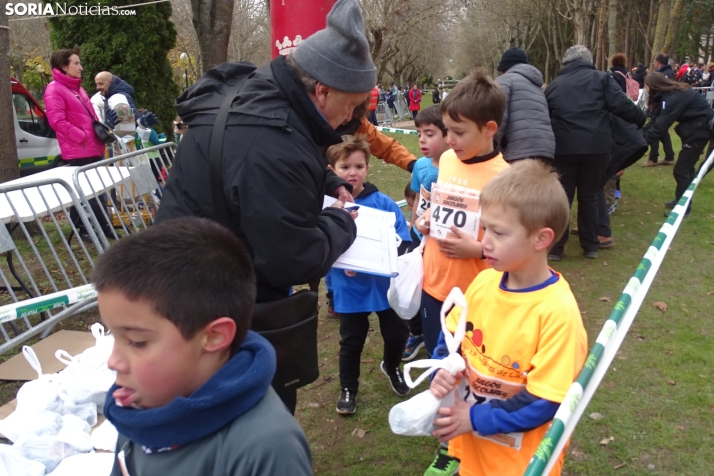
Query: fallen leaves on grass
672, 382
662, 306
620, 466
604, 299
607, 441
596, 416
359, 432
710, 293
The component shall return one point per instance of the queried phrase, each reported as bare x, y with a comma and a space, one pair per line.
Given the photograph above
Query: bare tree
9, 168
212, 20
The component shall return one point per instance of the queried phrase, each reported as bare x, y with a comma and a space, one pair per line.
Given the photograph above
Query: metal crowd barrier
40, 260
709, 92
130, 201
402, 106
384, 115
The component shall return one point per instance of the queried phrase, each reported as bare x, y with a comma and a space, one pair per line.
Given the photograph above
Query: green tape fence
610, 339
396, 131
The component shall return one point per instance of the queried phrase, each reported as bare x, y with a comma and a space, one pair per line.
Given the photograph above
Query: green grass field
657, 400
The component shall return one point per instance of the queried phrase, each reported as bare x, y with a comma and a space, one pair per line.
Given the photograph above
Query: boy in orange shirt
472, 113
525, 342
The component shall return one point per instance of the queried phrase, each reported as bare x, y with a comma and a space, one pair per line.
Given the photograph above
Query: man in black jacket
274, 172
580, 101
661, 64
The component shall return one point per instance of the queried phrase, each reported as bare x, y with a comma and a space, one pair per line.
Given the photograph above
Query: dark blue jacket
119, 86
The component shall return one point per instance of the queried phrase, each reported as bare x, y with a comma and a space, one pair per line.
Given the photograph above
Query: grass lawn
657, 400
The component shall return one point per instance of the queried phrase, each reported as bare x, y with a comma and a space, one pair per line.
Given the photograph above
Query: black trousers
353, 330
684, 171
415, 322
666, 145
430, 321
94, 203
373, 118
582, 172
603, 221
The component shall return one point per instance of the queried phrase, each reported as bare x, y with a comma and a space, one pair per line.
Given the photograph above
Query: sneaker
649, 163
605, 242
443, 464
667, 162
347, 404
670, 204
412, 348
618, 194
331, 305
555, 257
396, 379
590, 254
612, 208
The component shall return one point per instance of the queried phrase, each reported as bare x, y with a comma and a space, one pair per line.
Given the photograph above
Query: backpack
633, 87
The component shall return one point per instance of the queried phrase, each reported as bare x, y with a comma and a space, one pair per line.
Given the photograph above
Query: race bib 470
454, 206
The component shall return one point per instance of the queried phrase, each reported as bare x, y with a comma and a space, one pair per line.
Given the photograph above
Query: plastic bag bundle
404, 294
415, 417
13, 463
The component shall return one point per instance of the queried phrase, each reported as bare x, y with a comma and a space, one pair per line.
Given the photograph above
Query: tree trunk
593, 37
661, 28
9, 168
671, 35
627, 43
648, 35
581, 21
612, 36
212, 21
599, 59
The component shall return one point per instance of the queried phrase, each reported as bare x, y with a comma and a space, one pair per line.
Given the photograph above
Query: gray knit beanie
338, 56
577, 52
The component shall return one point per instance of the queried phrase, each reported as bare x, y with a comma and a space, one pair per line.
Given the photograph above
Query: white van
36, 142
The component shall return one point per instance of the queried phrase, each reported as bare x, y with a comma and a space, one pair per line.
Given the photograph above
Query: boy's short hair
192, 269
408, 192
532, 188
349, 145
430, 115
476, 98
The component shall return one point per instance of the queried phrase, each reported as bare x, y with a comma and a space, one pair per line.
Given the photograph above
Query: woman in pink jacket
414, 100
72, 116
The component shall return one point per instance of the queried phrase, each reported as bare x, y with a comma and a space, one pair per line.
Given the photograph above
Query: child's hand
443, 383
455, 421
461, 246
351, 274
423, 222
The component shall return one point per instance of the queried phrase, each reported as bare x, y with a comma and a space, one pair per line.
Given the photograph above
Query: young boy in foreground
525, 341
471, 114
357, 295
432, 142
192, 394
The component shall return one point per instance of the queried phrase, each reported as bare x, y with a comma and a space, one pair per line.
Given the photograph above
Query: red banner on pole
292, 21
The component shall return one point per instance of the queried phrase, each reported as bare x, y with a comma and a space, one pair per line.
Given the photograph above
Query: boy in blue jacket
357, 295
192, 394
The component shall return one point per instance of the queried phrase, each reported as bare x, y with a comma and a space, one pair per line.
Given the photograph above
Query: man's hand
455, 421
424, 222
344, 195
111, 119
443, 383
461, 246
148, 119
339, 204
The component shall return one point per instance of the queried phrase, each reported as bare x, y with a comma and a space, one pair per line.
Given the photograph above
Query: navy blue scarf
236, 388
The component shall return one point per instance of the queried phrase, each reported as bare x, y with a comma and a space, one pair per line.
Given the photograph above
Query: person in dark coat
525, 131
628, 147
677, 102
274, 173
580, 101
639, 73
661, 64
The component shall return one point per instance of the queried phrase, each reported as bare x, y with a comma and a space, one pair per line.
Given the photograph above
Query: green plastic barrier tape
40, 304
396, 131
610, 339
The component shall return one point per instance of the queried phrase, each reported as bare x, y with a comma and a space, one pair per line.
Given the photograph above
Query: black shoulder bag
289, 324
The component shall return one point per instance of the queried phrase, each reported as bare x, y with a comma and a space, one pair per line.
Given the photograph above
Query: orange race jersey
515, 341
441, 274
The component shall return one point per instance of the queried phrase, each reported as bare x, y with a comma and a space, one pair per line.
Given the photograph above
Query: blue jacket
367, 292
119, 86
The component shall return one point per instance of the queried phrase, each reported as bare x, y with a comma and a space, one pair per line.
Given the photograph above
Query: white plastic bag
415, 417
404, 294
38, 395
85, 464
105, 436
39, 424
73, 438
13, 463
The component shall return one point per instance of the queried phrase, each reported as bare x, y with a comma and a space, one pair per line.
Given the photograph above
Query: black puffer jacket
525, 130
687, 107
629, 145
668, 72
274, 174
639, 75
580, 101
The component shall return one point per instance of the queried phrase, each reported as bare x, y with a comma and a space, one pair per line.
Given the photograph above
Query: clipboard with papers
374, 251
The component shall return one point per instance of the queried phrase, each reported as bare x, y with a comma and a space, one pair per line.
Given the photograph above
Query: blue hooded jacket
119, 86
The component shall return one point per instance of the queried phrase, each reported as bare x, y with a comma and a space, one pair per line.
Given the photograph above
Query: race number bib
424, 201
454, 206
